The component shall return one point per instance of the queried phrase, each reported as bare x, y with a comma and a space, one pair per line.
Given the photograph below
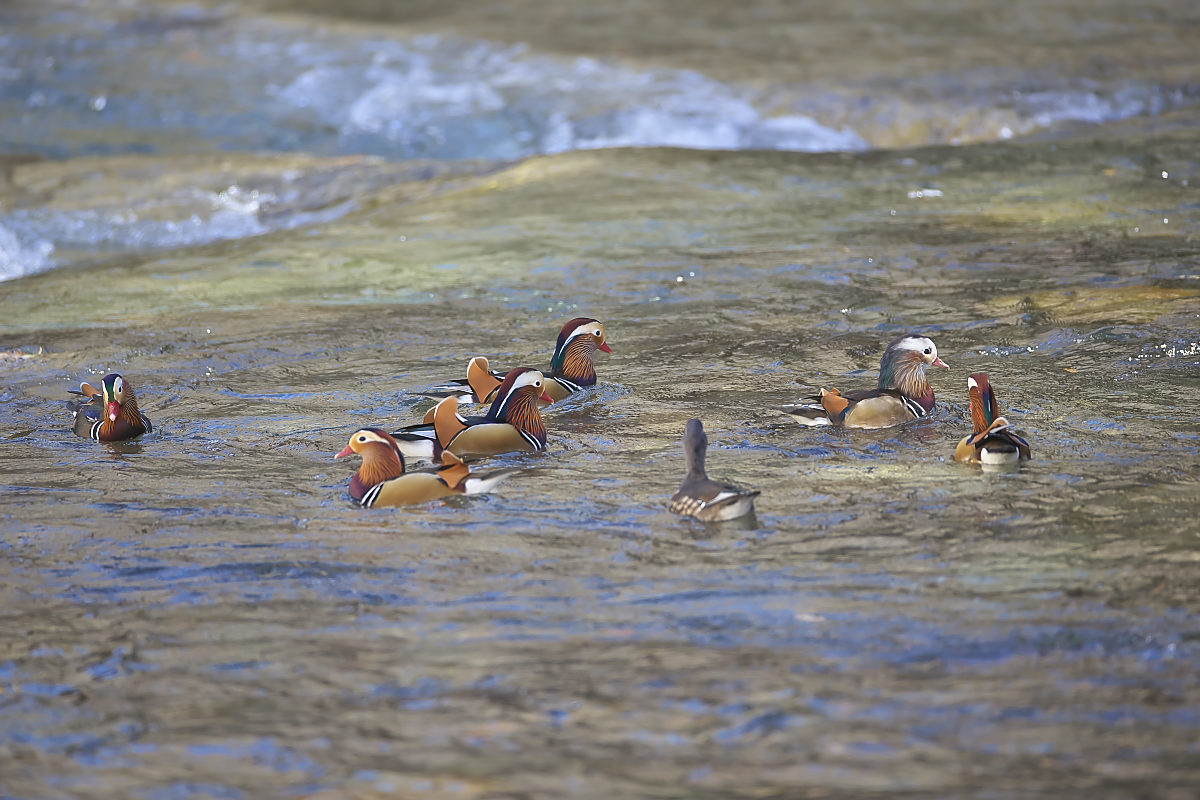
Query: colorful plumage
698, 495
381, 480
992, 442
110, 413
903, 392
572, 367
513, 422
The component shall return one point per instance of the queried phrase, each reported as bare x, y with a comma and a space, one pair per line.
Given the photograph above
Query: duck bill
604, 346
937, 362
114, 408
345, 451
545, 398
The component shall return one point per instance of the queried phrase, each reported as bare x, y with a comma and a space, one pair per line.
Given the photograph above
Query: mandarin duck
381, 479
572, 367
991, 442
903, 393
513, 422
698, 495
110, 413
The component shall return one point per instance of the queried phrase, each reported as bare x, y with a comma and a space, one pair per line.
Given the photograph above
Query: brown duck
382, 481
903, 393
110, 413
992, 442
698, 495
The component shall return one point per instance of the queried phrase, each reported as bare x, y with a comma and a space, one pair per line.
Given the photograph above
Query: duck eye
537, 383
926, 351
362, 438
597, 333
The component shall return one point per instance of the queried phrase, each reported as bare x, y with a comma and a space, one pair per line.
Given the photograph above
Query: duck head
117, 394
577, 344
904, 363
381, 456
520, 385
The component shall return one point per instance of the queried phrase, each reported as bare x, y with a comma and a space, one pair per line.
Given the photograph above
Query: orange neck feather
579, 361
128, 417
522, 413
979, 420
380, 463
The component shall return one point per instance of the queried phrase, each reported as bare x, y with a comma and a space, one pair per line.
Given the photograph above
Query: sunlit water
203, 613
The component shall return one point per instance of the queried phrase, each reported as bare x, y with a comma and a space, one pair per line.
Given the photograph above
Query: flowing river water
282, 222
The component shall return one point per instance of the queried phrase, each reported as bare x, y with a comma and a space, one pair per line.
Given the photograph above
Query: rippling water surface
203, 613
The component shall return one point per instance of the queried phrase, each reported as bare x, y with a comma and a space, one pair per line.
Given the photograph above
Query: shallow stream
204, 614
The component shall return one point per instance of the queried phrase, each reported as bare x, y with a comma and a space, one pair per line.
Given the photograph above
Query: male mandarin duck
512, 423
572, 367
700, 497
903, 394
110, 413
381, 479
992, 442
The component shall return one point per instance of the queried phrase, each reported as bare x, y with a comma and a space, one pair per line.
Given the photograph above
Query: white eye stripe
532, 378
585, 330
918, 343
971, 384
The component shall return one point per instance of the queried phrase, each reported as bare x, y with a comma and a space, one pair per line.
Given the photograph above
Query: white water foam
22, 253
114, 81
438, 97
184, 218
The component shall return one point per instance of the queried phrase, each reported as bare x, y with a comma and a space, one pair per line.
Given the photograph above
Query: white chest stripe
371, 496
914, 408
